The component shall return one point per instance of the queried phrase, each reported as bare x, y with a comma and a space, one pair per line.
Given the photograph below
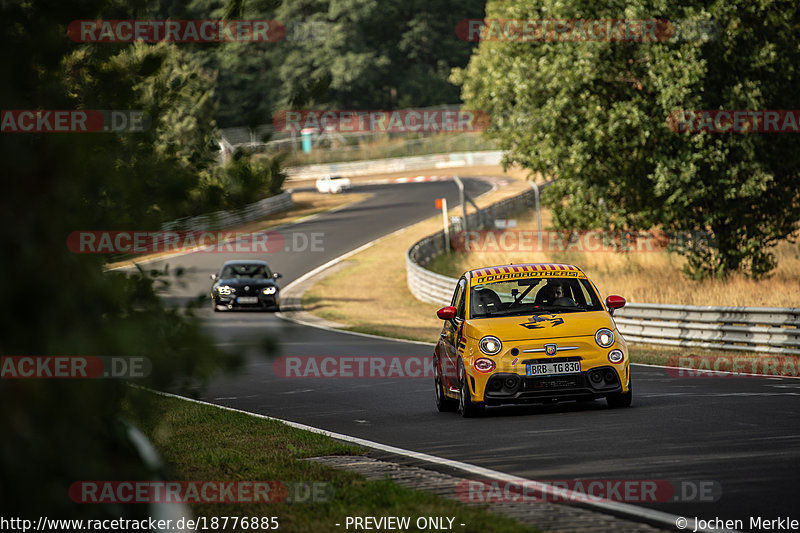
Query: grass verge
375, 279
200, 442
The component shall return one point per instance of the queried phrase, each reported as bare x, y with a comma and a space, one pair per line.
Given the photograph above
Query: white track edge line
606, 505
337, 260
358, 333
703, 371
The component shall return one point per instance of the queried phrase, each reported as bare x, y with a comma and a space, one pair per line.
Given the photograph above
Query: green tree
177, 96
249, 177
247, 82
594, 116
364, 54
368, 54
55, 432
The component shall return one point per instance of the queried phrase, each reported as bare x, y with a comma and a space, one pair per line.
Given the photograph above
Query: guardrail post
538, 214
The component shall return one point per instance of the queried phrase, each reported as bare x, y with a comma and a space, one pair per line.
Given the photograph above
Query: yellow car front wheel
621, 399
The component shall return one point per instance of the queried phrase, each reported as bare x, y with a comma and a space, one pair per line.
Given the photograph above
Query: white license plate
550, 369
247, 299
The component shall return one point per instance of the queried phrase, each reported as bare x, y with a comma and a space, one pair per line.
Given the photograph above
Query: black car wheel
443, 403
465, 405
621, 399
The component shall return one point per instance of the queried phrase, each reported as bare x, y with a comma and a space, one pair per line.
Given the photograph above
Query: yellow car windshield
532, 295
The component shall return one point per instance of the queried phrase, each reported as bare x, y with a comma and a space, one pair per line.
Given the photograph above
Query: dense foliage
363, 53
55, 432
338, 54
593, 115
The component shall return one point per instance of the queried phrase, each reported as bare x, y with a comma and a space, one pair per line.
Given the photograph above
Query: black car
245, 284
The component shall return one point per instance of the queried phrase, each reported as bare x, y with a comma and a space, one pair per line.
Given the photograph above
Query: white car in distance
332, 184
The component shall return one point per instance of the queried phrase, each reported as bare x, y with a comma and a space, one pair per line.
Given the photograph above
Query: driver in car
554, 293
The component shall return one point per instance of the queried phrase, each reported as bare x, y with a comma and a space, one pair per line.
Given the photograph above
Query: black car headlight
270, 290
225, 290
490, 345
604, 337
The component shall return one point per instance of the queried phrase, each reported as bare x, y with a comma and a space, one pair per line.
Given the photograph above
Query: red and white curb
418, 179
410, 179
500, 181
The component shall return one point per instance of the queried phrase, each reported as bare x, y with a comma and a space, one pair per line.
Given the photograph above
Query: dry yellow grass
370, 294
651, 277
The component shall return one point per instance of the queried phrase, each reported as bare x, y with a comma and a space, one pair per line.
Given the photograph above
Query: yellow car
529, 333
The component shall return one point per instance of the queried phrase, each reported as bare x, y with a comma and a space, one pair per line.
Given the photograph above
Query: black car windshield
533, 296
249, 271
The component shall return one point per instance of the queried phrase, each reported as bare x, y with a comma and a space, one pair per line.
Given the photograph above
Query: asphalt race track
740, 434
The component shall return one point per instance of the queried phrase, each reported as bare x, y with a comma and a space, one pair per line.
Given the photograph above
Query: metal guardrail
253, 136
428, 286
436, 288
758, 329
396, 164
221, 220
754, 329
218, 221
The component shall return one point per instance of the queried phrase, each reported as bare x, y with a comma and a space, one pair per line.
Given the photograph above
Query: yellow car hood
545, 326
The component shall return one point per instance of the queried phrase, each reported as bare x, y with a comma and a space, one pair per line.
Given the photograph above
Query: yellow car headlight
490, 345
604, 337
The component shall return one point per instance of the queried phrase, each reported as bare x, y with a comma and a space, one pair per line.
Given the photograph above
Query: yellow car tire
443, 403
621, 399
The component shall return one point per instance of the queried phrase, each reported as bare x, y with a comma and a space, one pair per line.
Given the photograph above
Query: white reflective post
442, 202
